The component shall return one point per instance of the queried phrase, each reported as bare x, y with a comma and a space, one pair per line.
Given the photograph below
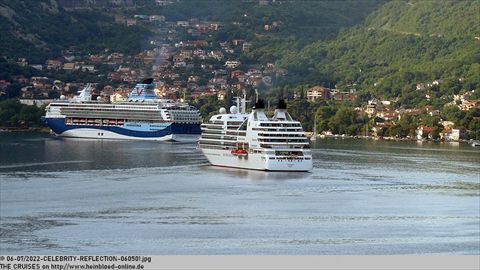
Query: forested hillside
391, 51
41, 29
399, 45
274, 26
428, 17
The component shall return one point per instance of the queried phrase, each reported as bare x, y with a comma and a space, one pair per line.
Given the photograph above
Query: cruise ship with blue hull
143, 117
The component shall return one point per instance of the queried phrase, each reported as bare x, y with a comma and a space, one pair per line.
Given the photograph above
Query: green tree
453, 113
342, 120
323, 116
15, 114
13, 90
436, 132
301, 111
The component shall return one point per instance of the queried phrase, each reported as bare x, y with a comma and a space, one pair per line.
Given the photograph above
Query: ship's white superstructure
254, 141
143, 117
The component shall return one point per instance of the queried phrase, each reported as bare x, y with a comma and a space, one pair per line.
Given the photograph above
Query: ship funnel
282, 105
143, 91
147, 81
259, 105
85, 94
258, 114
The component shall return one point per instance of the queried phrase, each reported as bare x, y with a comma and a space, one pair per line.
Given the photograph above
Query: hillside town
383, 114
194, 67
187, 64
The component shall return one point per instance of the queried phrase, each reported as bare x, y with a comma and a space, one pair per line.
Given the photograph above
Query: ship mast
242, 102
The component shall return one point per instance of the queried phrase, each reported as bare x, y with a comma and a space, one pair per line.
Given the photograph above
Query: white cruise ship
143, 117
254, 141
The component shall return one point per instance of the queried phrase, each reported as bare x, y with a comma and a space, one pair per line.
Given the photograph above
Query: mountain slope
290, 24
42, 29
428, 17
390, 61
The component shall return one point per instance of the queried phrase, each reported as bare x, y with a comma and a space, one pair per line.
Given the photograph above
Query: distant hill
400, 44
41, 29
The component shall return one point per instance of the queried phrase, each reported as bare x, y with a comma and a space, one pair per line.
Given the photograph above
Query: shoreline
20, 129
337, 136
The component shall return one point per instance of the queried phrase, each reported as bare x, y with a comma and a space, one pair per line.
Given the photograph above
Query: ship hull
167, 132
256, 161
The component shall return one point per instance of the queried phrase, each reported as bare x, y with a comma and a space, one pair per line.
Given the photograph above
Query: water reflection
254, 174
58, 154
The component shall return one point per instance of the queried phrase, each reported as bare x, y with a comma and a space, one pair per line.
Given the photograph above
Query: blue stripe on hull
58, 126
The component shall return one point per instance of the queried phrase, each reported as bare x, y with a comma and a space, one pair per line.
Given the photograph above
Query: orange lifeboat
239, 152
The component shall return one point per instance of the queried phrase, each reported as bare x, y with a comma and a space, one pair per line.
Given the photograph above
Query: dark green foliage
301, 111
385, 59
474, 127
346, 121
208, 105
13, 90
339, 120
14, 114
40, 30
428, 17
436, 132
297, 23
323, 115
7, 70
453, 113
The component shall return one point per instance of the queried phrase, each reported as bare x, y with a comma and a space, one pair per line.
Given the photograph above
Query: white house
232, 64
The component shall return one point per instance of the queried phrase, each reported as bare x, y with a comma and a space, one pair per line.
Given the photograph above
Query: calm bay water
112, 197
